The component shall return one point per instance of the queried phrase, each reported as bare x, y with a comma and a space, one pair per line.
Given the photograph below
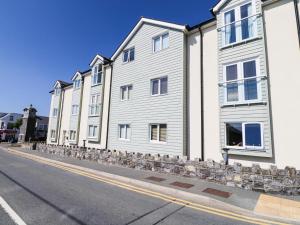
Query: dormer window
57, 91
76, 84
239, 24
128, 55
97, 75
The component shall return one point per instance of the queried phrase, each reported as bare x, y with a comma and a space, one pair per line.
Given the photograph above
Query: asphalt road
41, 194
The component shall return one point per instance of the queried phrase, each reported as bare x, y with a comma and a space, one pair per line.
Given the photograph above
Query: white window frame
95, 131
127, 95
75, 110
128, 58
246, 147
241, 81
159, 86
160, 42
55, 112
158, 133
94, 105
127, 136
77, 84
98, 72
70, 135
237, 22
53, 134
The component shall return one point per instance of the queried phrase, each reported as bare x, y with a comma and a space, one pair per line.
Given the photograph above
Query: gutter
62, 99
201, 94
80, 109
297, 18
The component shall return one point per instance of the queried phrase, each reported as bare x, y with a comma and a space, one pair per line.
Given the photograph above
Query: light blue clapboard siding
244, 51
143, 109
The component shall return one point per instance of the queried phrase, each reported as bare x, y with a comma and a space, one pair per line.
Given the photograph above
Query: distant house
7, 119
41, 127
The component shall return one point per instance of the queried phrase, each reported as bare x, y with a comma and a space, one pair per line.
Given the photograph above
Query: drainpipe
80, 108
297, 18
61, 108
109, 104
201, 93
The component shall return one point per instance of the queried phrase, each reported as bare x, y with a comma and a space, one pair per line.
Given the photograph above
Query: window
94, 107
244, 135
55, 112
92, 131
239, 24
97, 75
72, 135
57, 91
159, 86
76, 84
126, 92
53, 134
11, 118
160, 42
158, 132
241, 82
128, 55
124, 131
75, 110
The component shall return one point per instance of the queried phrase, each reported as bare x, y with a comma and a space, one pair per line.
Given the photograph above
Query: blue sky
42, 41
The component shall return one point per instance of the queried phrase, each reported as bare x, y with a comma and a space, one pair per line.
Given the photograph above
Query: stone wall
273, 180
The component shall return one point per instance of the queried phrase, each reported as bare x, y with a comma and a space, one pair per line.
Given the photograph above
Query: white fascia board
139, 24
76, 75
95, 60
57, 84
219, 5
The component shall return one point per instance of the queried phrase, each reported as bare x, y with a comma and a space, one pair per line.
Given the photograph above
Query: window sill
98, 115
240, 43
243, 104
162, 50
159, 95
95, 85
123, 139
158, 142
249, 152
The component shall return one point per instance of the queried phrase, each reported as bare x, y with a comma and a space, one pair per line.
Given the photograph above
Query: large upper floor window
92, 131
241, 82
11, 118
160, 42
126, 92
158, 132
75, 110
94, 107
244, 135
124, 131
128, 55
55, 112
239, 24
97, 75
159, 86
76, 84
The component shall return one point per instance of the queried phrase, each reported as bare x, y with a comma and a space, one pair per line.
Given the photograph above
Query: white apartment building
229, 84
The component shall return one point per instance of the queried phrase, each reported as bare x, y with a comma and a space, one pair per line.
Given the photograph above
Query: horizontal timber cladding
253, 49
143, 109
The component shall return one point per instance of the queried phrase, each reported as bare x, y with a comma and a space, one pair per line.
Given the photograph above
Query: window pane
163, 132
165, 41
253, 135
129, 91
230, 30
231, 72
90, 131
164, 85
154, 87
125, 56
154, 132
123, 93
234, 134
249, 69
128, 132
122, 131
156, 44
250, 87
232, 92
247, 23
131, 57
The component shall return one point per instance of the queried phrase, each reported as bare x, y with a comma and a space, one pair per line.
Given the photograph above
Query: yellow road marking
196, 206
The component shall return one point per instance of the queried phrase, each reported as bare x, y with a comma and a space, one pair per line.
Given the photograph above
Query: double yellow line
168, 198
